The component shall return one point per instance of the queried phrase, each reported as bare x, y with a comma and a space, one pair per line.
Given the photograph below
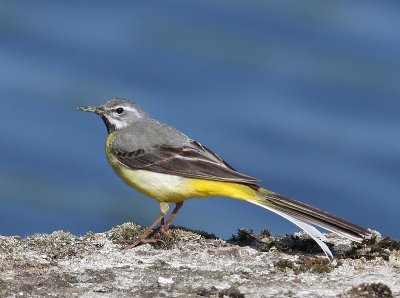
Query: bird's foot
164, 231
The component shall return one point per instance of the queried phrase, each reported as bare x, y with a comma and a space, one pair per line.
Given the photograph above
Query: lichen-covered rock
189, 264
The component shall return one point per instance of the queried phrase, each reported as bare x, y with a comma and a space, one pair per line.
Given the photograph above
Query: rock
193, 264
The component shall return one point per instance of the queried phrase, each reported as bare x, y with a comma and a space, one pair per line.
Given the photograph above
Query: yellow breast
171, 188
162, 187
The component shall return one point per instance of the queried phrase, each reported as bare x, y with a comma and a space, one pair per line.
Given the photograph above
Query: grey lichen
192, 264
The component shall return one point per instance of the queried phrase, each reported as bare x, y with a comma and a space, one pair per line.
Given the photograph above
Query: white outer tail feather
309, 229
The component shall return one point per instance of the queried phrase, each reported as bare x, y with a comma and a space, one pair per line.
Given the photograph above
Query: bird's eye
119, 110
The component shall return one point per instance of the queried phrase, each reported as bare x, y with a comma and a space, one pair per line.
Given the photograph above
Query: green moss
315, 265
9, 244
165, 242
372, 248
388, 243
369, 290
57, 245
125, 232
245, 237
232, 292
129, 231
306, 264
265, 233
175, 235
293, 244
90, 235
203, 234
284, 264
264, 242
56, 238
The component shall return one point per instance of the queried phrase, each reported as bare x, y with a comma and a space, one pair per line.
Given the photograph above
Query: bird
163, 163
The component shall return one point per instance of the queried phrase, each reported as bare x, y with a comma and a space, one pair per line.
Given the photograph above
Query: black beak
88, 109
98, 110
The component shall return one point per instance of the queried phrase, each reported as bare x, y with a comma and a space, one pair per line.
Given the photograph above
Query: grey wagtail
163, 163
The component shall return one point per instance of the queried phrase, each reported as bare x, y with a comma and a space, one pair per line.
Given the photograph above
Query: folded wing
192, 161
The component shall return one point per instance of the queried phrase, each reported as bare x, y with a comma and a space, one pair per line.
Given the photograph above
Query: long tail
306, 217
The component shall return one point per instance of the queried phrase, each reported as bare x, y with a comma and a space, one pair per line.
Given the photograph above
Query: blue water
301, 94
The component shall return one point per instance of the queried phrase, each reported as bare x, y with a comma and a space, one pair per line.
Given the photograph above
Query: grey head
117, 113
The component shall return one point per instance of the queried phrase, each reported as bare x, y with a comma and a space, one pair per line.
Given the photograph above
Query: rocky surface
194, 264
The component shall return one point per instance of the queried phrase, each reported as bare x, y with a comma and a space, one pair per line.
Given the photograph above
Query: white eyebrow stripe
133, 110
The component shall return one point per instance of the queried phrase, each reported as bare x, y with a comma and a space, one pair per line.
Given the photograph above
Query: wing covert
192, 161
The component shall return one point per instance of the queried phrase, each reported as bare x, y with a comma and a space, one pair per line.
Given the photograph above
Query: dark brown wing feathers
193, 161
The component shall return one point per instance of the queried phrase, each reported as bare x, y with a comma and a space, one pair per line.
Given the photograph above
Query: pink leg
143, 239
164, 228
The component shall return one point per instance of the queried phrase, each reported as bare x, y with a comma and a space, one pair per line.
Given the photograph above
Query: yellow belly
171, 188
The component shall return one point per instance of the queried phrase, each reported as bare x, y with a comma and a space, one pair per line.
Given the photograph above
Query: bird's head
117, 113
